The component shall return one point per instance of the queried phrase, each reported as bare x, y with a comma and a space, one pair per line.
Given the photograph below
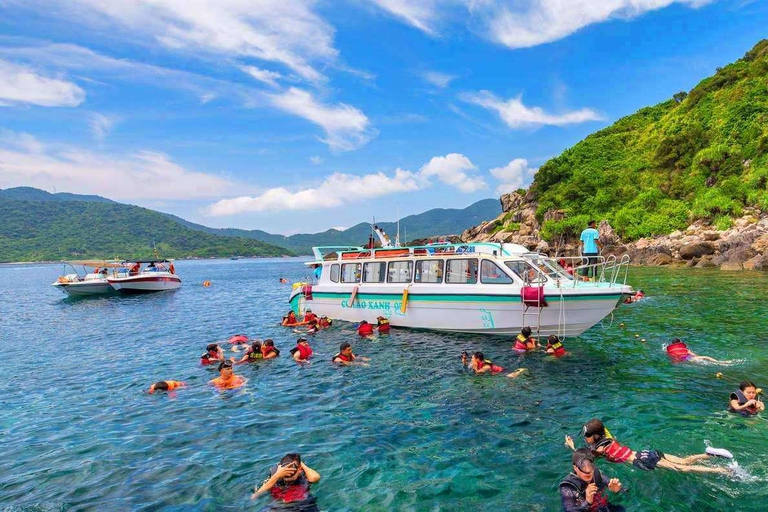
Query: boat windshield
554, 270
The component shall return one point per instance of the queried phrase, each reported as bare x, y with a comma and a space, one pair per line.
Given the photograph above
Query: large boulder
607, 235
759, 262
735, 257
761, 244
661, 259
511, 201
696, 250
706, 262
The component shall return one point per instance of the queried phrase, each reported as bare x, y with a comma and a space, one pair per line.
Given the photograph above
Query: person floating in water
524, 342
312, 327
290, 320
324, 322
346, 357
166, 385
365, 329
382, 325
679, 351
302, 351
744, 400
213, 354
283, 280
584, 489
268, 349
252, 354
309, 316
227, 378
479, 364
290, 482
555, 346
637, 297
602, 444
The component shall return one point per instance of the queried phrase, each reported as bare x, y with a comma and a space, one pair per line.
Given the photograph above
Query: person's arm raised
312, 475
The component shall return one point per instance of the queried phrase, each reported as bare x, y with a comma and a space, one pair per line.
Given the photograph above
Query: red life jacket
520, 342
678, 351
494, 368
365, 330
266, 350
209, 358
289, 493
304, 350
309, 316
384, 326
343, 357
615, 452
558, 348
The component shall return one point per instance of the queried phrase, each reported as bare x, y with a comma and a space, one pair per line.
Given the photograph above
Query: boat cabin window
335, 272
400, 272
525, 271
461, 271
374, 272
490, 273
429, 271
350, 272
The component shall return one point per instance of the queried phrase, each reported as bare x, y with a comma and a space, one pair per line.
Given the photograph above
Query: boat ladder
532, 301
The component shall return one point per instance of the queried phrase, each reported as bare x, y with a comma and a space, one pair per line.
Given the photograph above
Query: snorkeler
252, 354
268, 349
744, 400
555, 346
479, 364
382, 325
602, 444
346, 357
679, 351
166, 385
302, 351
213, 354
524, 342
289, 482
365, 329
584, 488
637, 297
227, 378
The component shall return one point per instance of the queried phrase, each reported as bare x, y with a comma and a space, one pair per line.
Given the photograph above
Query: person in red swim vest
302, 351
365, 329
213, 354
383, 324
479, 364
524, 342
290, 482
309, 316
268, 349
602, 444
555, 346
679, 351
166, 385
290, 320
346, 357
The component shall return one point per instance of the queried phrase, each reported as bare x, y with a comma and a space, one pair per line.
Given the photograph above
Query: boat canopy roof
97, 263
326, 253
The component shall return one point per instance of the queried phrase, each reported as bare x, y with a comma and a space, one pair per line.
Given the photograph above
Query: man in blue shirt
590, 246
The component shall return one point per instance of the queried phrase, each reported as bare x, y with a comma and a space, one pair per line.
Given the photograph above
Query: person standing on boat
584, 488
318, 272
590, 246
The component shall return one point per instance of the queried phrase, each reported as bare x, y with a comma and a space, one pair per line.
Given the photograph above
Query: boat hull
83, 289
145, 284
569, 314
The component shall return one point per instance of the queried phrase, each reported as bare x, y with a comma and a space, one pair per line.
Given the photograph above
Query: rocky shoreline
744, 246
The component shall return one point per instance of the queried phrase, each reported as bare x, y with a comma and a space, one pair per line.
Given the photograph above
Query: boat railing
611, 270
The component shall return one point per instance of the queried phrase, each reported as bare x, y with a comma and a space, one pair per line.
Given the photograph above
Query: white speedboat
474, 287
157, 276
92, 281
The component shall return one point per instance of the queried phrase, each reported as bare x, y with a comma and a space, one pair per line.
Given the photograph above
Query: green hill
63, 228
438, 221
700, 155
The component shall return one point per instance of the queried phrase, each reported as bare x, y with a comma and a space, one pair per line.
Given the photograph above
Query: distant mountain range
40, 226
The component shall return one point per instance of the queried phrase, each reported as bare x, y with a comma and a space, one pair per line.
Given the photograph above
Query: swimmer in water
346, 357
289, 482
312, 327
227, 378
479, 364
382, 325
290, 320
283, 280
166, 385
302, 351
252, 354
268, 349
679, 351
365, 329
744, 400
602, 444
324, 322
585, 488
213, 354
637, 297
524, 342
555, 346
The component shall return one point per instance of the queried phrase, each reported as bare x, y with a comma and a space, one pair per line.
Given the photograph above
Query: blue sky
292, 116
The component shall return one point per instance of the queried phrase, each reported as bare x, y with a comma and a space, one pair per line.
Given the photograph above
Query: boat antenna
397, 237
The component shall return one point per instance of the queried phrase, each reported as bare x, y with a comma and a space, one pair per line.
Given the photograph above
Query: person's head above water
345, 348
225, 368
212, 347
526, 331
583, 464
256, 346
159, 386
302, 341
749, 389
594, 428
268, 343
479, 356
292, 460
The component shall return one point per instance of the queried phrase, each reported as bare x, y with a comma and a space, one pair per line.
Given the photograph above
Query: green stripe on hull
419, 297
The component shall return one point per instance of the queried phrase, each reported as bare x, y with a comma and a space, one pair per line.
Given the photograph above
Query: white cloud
101, 125
534, 22
336, 190
138, 176
516, 174
262, 75
441, 80
345, 127
316, 160
20, 85
288, 32
421, 14
451, 169
517, 115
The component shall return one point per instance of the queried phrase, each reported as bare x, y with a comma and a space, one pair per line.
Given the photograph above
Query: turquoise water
410, 432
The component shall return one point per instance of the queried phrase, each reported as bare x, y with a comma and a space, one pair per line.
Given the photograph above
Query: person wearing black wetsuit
585, 488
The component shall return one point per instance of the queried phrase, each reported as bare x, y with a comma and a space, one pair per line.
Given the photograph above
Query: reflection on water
412, 431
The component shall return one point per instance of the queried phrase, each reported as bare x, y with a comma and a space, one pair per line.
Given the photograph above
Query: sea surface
412, 431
